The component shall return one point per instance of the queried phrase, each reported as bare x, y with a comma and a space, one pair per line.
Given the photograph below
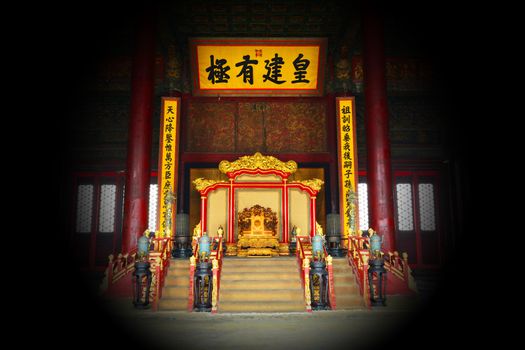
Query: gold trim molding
202, 183
314, 184
258, 161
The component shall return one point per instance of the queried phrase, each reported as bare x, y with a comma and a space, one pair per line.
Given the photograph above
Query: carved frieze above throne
257, 232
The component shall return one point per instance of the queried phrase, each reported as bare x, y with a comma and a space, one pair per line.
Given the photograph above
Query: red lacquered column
139, 133
380, 193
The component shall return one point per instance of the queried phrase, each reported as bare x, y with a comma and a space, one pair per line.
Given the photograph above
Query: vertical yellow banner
168, 161
347, 160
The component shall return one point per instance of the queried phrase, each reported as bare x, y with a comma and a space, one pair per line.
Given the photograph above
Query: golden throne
257, 232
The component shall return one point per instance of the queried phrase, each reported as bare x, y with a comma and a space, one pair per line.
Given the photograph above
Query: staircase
260, 285
347, 294
176, 288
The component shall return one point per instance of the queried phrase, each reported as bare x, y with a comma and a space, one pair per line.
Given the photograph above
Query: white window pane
152, 212
84, 208
106, 218
427, 215
123, 198
362, 193
405, 219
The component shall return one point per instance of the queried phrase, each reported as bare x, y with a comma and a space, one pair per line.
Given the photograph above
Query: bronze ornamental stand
182, 240
203, 287
319, 285
377, 281
141, 284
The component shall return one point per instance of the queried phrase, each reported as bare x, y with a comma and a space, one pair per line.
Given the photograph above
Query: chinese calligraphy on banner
258, 67
167, 176
347, 150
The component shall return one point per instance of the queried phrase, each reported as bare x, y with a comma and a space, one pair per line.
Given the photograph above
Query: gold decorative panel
211, 127
248, 127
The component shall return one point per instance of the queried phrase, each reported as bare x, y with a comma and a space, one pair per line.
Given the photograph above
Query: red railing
304, 254
193, 260
159, 260
216, 258
358, 255
397, 265
400, 280
116, 282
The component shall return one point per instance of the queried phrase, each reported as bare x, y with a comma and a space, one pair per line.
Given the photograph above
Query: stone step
347, 294
344, 265
344, 280
345, 302
174, 263
173, 304
256, 306
229, 275
346, 289
347, 274
177, 262
343, 272
179, 272
176, 287
178, 280
342, 269
267, 269
262, 296
260, 284
342, 275
176, 292
340, 263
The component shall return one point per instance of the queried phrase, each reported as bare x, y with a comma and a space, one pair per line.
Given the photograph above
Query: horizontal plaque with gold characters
258, 67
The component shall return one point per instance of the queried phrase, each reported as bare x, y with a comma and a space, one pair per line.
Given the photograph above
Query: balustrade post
366, 292
191, 298
331, 282
158, 289
215, 288
306, 274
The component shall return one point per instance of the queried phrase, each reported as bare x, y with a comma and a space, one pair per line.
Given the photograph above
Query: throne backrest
257, 220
